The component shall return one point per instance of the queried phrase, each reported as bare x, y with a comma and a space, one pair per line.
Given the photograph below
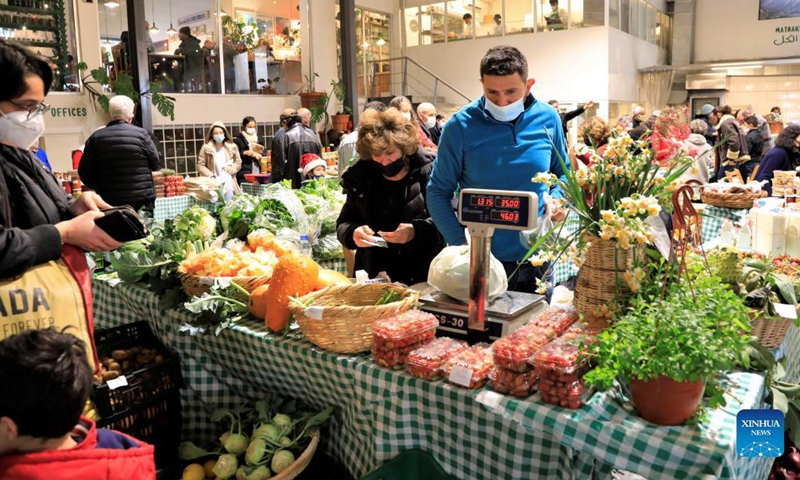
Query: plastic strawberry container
476, 363
428, 361
395, 358
557, 318
400, 331
572, 395
512, 383
515, 351
560, 360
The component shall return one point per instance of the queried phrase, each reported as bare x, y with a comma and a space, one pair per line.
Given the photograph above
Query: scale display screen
499, 208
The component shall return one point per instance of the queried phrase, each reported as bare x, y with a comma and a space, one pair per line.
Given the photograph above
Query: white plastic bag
449, 272
543, 225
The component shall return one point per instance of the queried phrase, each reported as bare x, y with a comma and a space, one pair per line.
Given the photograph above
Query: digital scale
483, 211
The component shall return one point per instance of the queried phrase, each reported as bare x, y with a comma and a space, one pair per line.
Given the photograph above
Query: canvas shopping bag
55, 294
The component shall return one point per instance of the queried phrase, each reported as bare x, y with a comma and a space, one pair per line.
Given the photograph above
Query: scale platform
503, 315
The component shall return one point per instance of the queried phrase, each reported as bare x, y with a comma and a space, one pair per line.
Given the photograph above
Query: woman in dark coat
386, 193
784, 156
251, 148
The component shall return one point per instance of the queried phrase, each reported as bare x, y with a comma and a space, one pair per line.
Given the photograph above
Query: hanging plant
241, 33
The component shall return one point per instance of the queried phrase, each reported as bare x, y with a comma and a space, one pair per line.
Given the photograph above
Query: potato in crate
145, 404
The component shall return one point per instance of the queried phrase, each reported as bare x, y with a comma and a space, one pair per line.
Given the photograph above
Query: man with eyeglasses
118, 160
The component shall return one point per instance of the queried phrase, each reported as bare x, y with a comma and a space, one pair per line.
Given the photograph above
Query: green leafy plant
240, 32
782, 395
309, 85
319, 110
684, 330
765, 287
96, 81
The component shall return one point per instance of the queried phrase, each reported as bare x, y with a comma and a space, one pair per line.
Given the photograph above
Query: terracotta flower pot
308, 99
664, 401
340, 121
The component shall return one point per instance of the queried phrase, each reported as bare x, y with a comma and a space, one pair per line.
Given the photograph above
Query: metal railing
412, 78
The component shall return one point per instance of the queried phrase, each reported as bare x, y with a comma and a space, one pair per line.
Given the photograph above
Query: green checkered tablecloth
712, 218
337, 264
382, 412
255, 189
171, 207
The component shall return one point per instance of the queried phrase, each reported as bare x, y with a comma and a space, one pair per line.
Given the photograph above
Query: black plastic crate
157, 421
149, 407
143, 384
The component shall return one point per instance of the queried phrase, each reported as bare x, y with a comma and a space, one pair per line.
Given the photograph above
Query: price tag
314, 312
118, 382
490, 399
786, 311
461, 376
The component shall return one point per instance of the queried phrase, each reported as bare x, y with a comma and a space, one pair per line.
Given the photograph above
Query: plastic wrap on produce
327, 247
449, 272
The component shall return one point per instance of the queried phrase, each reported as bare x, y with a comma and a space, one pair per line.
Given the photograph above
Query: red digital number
509, 203
509, 216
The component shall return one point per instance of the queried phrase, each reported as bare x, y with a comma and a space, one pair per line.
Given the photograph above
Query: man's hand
88, 202
82, 232
403, 234
589, 105
557, 213
361, 236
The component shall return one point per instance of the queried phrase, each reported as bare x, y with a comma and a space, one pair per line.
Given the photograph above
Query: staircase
404, 76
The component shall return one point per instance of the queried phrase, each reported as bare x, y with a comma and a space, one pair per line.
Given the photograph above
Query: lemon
194, 471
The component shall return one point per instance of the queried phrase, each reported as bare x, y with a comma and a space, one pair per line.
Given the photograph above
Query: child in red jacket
46, 381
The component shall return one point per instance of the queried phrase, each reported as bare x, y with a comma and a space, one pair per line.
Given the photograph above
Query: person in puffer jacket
298, 140
118, 161
42, 433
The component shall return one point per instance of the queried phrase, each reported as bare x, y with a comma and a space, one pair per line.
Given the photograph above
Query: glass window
432, 23
374, 51
412, 22
553, 15
46, 28
651, 24
634, 18
587, 13
520, 16
613, 13
642, 23
624, 15
489, 18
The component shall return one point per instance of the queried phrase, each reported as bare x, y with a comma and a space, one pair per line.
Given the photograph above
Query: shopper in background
755, 146
784, 156
497, 25
333, 137
698, 148
287, 112
42, 432
426, 118
468, 24
705, 115
403, 104
312, 167
347, 147
499, 141
118, 160
36, 215
251, 148
193, 56
219, 158
386, 191
41, 155
567, 116
290, 147
732, 146
436, 131
776, 112
557, 20
638, 116
593, 133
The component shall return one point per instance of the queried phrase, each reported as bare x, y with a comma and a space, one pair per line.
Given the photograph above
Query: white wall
730, 30
567, 65
626, 56
761, 93
226, 108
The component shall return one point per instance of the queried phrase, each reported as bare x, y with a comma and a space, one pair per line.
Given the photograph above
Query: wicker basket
770, 331
348, 314
296, 468
599, 279
730, 200
196, 286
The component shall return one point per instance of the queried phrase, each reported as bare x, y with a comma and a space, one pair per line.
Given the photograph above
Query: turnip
224, 437
285, 442
268, 431
226, 466
236, 443
253, 473
255, 451
282, 421
282, 460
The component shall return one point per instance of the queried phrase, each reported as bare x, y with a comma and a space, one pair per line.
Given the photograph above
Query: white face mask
219, 138
16, 129
508, 112
430, 122
251, 131
406, 115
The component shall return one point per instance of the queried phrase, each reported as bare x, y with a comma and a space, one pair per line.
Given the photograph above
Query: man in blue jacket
499, 141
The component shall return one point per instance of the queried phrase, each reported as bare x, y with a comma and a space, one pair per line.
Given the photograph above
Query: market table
713, 217
382, 412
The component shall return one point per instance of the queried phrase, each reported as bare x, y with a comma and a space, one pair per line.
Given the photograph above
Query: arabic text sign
788, 34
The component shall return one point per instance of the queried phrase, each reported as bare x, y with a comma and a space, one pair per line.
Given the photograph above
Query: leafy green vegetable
134, 266
196, 224
221, 307
327, 248
388, 296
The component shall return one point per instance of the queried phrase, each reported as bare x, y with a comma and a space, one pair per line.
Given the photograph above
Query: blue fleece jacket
477, 151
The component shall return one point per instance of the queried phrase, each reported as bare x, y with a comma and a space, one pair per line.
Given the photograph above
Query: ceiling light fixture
171, 30
112, 4
380, 41
153, 27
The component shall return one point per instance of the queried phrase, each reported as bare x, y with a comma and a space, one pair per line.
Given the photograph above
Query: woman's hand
403, 234
82, 232
557, 213
361, 235
88, 202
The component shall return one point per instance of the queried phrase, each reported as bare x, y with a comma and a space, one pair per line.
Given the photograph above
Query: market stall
382, 412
